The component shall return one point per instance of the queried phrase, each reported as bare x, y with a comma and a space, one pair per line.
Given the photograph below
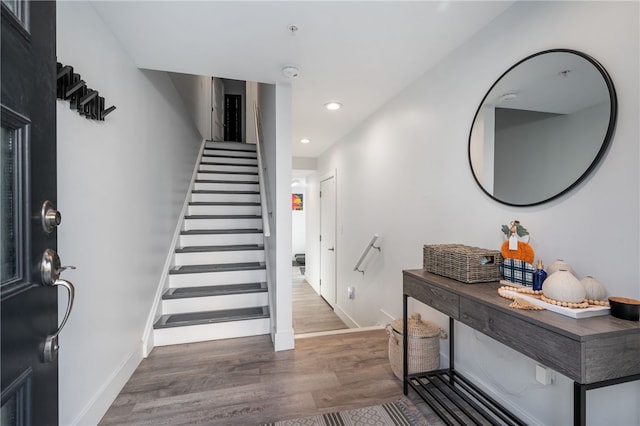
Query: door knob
51, 217
50, 268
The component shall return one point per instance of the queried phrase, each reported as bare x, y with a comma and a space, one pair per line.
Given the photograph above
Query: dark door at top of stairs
233, 118
29, 383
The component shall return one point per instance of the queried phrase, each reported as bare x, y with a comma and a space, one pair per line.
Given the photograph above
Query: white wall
404, 174
196, 93
121, 185
275, 108
298, 227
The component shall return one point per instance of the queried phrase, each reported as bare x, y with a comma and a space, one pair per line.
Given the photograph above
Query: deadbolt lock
51, 217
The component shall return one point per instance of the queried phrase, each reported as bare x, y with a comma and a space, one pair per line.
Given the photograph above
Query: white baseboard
283, 341
340, 331
384, 318
98, 405
345, 317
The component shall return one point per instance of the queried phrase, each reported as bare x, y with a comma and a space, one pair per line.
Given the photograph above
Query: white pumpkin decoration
594, 288
563, 286
557, 265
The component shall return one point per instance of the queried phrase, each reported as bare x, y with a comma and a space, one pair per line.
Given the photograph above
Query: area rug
400, 413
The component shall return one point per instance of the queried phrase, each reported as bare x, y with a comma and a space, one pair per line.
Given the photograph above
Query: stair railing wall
365, 252
262, 173
264, 204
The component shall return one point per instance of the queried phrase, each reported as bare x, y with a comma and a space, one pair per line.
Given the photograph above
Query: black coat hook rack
87, 101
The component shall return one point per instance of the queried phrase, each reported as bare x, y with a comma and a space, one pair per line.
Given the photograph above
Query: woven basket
463, 263
423, 345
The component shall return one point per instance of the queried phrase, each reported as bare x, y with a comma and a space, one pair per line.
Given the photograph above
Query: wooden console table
593, 352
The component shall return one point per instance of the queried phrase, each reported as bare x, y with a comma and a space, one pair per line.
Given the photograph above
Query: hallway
311, 314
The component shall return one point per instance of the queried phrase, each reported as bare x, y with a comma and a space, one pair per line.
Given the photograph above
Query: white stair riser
214, 303
243, 161
216, 331
209, 186
225, 198
230, 153
220, 239
224, 210
214, 258
230, 145
225, 168
217, 278
200, 224
227, 176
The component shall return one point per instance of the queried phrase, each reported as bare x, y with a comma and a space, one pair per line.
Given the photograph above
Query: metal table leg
405, 345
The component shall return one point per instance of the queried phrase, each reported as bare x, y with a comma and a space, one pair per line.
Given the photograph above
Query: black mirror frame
605, 143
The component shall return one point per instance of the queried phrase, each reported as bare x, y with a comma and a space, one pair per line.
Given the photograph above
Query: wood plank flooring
244, 382
310, 312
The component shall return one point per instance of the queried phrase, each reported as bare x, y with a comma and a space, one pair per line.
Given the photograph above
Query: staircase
217, 286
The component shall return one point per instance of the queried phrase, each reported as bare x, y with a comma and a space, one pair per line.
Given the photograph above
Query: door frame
325, 176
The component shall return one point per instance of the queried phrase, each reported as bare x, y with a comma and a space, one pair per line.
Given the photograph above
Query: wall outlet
544, 375
351, 292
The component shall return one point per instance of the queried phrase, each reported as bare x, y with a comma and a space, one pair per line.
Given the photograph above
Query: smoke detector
290, 72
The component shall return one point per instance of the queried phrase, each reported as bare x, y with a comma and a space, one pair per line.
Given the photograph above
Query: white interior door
328, 240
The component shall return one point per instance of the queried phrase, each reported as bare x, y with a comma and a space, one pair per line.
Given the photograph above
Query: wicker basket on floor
423, 345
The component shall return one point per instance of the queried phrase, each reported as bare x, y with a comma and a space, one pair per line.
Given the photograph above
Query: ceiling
358, 53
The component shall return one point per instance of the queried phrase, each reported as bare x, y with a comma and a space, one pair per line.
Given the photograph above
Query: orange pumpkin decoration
524, 252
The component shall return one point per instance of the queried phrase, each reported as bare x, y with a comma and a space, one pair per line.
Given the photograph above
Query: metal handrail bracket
366, 251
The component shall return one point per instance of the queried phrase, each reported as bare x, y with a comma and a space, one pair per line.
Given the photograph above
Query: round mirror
542, 127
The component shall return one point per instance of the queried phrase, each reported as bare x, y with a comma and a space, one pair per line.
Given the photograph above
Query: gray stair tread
238, 247
221, 267
224, 163
237, 146
204, 191
221, 231
222, 172
240, 154
227, 315
214, 290
223, 203
240, 182
223, 216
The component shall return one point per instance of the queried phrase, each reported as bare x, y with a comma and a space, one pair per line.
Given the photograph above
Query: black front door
29, 310
233, 118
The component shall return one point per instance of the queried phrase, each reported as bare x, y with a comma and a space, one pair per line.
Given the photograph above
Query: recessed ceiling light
507, 97
305, 140
333, 106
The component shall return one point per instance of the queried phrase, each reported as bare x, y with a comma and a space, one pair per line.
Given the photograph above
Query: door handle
50, 267
50, 270
51, 347
331, 249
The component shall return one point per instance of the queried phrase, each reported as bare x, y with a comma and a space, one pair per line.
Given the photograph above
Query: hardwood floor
310, 312
244, 382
